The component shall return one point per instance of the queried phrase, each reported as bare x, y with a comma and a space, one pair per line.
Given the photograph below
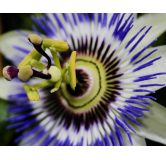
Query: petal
158, 23
3, 85
15, 46
10, 87
154, 124
13, 90
135, 16
158, 66
137, 140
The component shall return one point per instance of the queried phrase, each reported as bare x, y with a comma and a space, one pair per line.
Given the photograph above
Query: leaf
6, 136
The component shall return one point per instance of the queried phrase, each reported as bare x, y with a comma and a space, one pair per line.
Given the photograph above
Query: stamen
59, 45
32, 95
32, 55
72, 74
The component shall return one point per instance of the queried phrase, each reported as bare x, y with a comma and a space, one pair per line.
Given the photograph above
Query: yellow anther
32, 55
41, 85
59, 45
36, 64
71, 70
32, 95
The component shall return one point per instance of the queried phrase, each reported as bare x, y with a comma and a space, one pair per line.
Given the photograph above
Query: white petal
154, 124
135, 16
157, 67
13, 88
158, 23
11, 39
3, 86
137, 140
10, 88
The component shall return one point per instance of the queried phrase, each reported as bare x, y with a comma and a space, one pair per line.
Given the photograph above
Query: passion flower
112, 82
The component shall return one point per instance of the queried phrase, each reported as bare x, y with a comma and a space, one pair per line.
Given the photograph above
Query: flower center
91, 85
83, 83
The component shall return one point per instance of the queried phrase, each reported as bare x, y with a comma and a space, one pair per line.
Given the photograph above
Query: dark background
14, 21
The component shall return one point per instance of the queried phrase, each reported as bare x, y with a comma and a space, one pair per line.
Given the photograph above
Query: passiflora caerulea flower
116, 69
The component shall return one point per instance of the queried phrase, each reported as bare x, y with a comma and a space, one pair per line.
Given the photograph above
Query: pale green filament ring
97, 87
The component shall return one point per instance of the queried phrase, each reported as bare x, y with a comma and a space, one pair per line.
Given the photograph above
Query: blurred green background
14, 21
